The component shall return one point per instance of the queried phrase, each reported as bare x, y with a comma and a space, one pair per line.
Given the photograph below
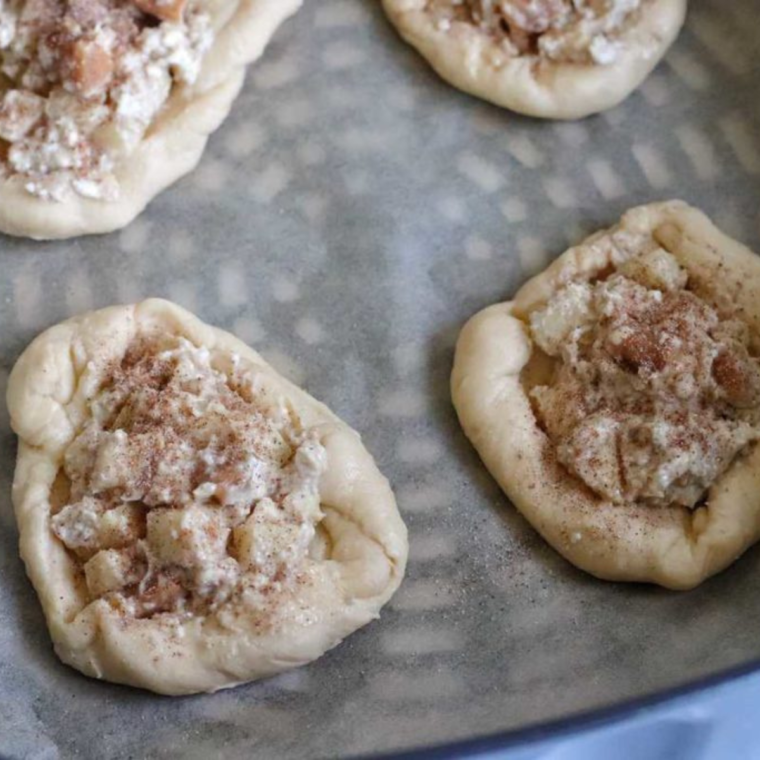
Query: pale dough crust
48, 399
469, 60
174, 143
674, 547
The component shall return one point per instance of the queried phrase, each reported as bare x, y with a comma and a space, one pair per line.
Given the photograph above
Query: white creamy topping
573, 31
78, 107
184, 490
654, 393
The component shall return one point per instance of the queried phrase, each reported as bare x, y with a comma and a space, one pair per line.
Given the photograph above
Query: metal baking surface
347, 219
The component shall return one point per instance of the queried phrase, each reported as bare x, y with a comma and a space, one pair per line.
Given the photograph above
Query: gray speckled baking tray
346, 220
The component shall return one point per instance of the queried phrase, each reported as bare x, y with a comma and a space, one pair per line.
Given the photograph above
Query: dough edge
44, 394
673, 548
174, 144
565, 91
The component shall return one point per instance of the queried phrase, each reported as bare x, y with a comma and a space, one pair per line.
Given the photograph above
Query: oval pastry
616, 400
105, 103
554, 59
189, 519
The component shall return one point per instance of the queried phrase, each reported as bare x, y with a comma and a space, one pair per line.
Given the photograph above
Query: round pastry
555, 59
104, 103
616, 399
190, 519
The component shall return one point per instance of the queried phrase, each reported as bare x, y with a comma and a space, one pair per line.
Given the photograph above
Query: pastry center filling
570, 31
81, 81
655, 393
187, 490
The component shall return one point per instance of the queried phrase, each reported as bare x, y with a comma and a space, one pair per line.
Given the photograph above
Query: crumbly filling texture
654, 393
566, 31
81, 82
187, 494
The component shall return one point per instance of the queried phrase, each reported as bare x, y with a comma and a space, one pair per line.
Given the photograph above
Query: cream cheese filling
81, 82
654, 392
567, 31
189, 493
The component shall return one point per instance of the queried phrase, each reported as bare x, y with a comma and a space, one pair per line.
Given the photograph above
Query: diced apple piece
120, 526
569, 309
91, 68
111, 468
266, 441
114, 140
186, 537
109, 570
656, 269
267, 538
166, 10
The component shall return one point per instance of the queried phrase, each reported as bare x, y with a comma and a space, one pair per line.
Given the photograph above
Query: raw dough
249, 614
498, 365
475, 61
175, 141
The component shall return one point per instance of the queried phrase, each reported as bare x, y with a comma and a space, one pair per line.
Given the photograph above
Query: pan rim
575, 723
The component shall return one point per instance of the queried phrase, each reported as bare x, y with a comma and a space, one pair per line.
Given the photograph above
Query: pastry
616, 399
105, 103
555, 59
189, 519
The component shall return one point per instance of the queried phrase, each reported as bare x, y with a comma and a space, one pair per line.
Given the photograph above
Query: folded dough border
552, 90
175, 141
48, 396
674, 547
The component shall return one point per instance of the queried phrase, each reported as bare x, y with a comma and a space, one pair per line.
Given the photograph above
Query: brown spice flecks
83, 80
184, 489
657, 392
567, 31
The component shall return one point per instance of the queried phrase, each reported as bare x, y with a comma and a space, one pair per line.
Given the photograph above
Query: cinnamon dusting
568, 31
655, 393
184, 493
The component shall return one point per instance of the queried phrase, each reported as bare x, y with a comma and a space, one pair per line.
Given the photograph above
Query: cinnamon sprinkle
656, 392
184, 491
